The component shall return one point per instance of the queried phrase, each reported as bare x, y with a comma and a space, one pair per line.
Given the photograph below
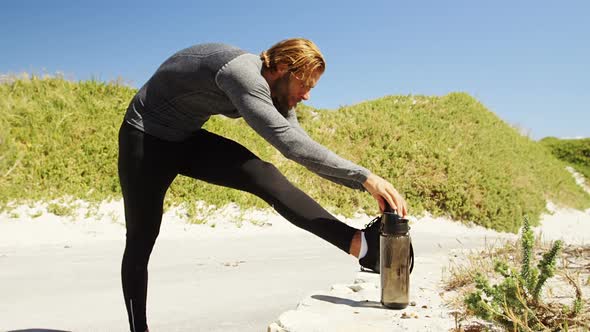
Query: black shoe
371, 263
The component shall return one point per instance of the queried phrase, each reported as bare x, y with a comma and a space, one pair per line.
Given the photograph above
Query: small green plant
60, 209
515, 302
92, 210
36, 214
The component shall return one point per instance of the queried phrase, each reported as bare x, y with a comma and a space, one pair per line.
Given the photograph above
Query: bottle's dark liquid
395, 270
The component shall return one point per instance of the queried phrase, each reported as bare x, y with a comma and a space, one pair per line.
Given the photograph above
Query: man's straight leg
224, 162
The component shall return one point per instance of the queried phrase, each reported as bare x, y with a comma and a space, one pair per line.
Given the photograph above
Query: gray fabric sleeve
292, 118
242, 82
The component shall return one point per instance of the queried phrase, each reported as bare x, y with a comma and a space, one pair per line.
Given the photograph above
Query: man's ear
282, 68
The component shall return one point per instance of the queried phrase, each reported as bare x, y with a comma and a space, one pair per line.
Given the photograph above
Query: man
162, 137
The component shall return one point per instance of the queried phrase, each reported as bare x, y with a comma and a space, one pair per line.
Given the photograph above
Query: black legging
147, 167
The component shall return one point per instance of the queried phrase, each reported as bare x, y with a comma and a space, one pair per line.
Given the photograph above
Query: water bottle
396, 259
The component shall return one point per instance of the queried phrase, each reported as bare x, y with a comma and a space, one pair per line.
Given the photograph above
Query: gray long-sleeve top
209, 79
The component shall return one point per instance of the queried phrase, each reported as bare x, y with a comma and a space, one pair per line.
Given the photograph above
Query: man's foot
370, 262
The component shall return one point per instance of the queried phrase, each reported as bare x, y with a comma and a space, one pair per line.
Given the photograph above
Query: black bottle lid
392, 223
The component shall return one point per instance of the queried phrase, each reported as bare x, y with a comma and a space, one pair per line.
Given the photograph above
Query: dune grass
575, 152
447, 155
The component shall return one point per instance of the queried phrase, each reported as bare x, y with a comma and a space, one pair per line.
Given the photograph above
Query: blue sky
527, 61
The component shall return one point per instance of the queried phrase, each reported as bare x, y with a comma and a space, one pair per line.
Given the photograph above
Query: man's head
292, 68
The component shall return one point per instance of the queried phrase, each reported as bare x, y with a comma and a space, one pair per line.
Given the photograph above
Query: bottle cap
393, 224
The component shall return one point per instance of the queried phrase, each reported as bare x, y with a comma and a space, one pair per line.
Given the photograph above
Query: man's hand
383, 191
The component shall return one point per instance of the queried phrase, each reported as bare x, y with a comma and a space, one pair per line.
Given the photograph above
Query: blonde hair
301, 56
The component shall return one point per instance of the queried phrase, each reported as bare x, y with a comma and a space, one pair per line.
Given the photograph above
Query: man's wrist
370, 179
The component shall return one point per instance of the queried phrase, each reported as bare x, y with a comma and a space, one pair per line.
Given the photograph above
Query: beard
280, 94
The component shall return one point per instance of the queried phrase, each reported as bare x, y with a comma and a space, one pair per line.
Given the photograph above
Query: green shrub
575, 152
59, 138
447, 155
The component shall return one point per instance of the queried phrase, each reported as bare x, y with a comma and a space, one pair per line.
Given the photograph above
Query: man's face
288, 90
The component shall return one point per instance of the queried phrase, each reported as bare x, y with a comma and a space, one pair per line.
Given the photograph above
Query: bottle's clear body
395, 270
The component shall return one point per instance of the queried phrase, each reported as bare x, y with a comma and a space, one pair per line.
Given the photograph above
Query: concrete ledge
357, 307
